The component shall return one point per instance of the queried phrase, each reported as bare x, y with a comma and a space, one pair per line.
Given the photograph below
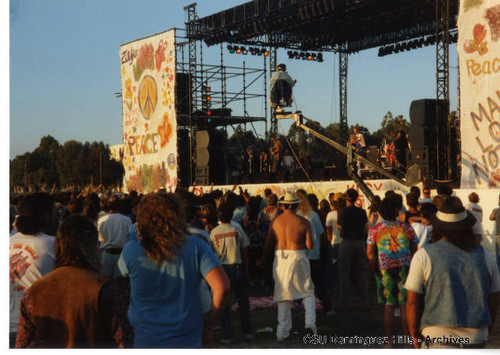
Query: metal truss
272, 68
321, 25
343, 65
190, 30
442, 88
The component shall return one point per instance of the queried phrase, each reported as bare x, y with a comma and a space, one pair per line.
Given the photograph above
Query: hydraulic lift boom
352, 157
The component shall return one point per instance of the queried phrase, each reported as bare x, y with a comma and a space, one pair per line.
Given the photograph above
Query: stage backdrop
149, 116
479, 58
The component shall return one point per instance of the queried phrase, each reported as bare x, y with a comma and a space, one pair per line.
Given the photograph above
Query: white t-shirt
423, 233
420, 270
476, 211
287, 161
31, 257
226, 241
360, 139
331, 222
113, 230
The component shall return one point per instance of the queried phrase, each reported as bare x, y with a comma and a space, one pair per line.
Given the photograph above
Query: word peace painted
143, 144
485, 67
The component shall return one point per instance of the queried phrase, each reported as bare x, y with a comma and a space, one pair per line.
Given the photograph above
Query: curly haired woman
165, 267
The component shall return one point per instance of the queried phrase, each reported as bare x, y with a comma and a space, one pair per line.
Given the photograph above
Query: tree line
70, 166
303, 142
75, 165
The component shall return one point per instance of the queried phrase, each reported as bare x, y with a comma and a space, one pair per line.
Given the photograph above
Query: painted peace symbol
147, 96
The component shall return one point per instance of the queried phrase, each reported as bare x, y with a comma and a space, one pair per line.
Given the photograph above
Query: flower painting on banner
149, 116
479, 58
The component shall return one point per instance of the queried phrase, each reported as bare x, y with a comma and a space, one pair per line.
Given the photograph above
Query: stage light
297, 55
244, 51
259, 51
266, 52
253, 51
314, 56
230, 49
381, 52
320, 57
238, 50
290, 54
209, 113
205, 98
303, 56
309, 56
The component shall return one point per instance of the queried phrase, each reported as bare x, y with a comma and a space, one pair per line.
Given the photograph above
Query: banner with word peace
149, 116
479, 60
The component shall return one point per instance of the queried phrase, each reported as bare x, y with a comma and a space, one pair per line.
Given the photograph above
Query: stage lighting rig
205, 98
258, 51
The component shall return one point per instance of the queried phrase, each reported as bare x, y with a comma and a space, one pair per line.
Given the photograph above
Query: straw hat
290, 198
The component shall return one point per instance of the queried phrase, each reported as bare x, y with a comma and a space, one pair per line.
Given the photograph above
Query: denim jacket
456, 293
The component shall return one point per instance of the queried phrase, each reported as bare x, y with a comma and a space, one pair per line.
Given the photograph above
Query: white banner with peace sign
479, 58
149, 116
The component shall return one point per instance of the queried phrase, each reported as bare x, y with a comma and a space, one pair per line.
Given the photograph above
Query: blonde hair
304, 206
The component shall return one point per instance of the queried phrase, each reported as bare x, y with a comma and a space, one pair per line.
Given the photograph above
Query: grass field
360, 326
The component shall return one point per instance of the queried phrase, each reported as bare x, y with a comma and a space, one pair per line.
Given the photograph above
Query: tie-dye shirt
393, 240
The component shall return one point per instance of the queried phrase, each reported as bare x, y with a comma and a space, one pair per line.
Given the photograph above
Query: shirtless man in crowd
291, 234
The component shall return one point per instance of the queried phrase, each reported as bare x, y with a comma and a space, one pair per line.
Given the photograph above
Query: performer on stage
401, 145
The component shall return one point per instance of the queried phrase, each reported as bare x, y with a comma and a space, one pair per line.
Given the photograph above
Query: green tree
68, 164
306, 143
242, 137
391, 124
48, 152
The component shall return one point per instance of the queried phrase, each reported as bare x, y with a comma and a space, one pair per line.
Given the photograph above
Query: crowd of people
157, 270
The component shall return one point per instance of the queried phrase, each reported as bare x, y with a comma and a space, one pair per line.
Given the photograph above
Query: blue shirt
165, 303
316, 231
132, 232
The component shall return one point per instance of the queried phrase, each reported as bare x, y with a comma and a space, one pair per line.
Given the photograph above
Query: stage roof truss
321, 25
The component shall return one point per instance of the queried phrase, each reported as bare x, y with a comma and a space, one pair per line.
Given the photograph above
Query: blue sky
65, 71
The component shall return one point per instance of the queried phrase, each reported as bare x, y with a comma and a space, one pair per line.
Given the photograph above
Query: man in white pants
291, 271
